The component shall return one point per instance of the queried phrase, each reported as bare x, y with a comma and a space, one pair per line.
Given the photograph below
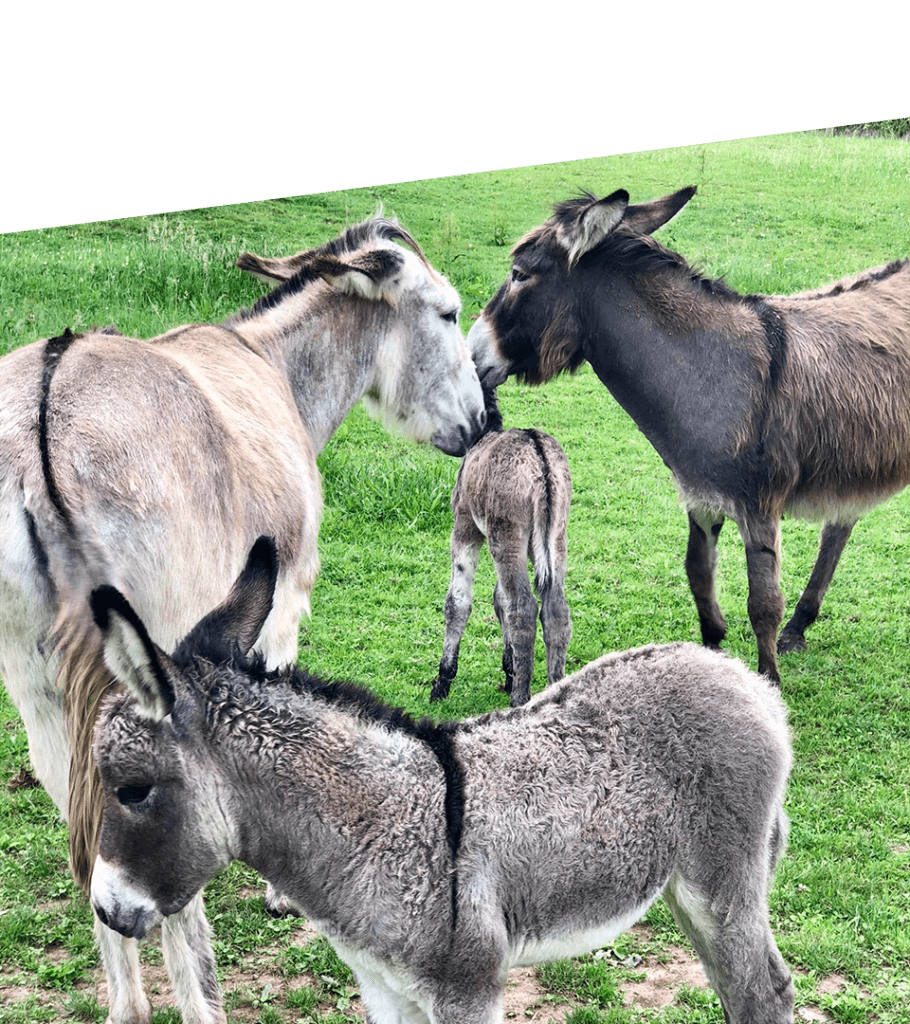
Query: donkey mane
863, 280
204, 659
350, 240
624, 249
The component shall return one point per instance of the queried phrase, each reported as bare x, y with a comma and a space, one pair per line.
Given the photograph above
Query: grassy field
775, 215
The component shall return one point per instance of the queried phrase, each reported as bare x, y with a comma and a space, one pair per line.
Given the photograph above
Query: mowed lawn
774, 215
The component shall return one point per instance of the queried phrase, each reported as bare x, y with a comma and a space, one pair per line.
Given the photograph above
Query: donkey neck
316, 782
327, 344
685, 365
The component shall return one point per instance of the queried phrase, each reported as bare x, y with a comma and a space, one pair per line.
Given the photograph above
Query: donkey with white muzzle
154, 464
436, 857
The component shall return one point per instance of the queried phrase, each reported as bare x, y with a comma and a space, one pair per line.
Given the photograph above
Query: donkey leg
126, 1000
186, 943
556, 622
515, 606
465, 546
701, 564
733, 940
761, 537
830, 547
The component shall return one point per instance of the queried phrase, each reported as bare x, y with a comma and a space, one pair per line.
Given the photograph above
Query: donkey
513, 489
154, 465
436, 857
759, 405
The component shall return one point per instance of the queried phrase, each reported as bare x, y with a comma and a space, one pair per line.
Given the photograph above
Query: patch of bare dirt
660, 969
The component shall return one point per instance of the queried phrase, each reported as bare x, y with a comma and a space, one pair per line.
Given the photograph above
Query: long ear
143, 668
592, 224
646, 218
238, 621
272, 270
374, 274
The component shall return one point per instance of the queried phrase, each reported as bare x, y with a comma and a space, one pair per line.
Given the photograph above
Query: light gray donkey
435, 858
513, 489
155, 464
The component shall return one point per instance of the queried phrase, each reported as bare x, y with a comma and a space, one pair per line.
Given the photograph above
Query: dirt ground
525, 998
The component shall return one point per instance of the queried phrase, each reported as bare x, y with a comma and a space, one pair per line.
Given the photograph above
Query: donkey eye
518, 275
133, 794
451, 317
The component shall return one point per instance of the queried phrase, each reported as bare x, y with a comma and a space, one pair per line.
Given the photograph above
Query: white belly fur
559, 946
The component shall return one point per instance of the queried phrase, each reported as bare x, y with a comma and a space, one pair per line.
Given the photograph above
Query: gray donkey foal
436, 857
513, 489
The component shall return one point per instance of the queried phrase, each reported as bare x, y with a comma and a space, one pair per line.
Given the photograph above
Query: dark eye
518, 275
133, 794
451, 317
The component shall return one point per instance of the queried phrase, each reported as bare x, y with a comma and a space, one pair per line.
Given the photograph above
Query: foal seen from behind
513, 489
154, 465
760, 405
436, 857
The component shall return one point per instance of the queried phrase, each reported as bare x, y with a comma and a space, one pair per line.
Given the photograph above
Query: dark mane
350, 240
632, 253
251, 672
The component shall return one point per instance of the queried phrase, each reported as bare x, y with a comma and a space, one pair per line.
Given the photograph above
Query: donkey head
533, 325
165, 829
425, 385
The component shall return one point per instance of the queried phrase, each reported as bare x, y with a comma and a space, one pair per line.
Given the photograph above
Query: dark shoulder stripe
54, 350
775, 337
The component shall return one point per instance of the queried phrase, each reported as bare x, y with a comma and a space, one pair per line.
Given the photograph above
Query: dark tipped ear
238, 621
374, 275
133, 659
646, 218
592, 224
272, 270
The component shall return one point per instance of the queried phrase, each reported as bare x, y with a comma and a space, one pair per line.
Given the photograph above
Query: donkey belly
568, 941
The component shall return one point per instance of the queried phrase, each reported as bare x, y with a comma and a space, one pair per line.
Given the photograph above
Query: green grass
776, 215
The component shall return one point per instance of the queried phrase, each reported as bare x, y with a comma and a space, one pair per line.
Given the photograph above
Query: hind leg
701, 565
515, 607
465, 546
556, 622
834, 537
738, 953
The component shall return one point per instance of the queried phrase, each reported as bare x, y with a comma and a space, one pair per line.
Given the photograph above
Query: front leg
186, 944
761, 537
701, 565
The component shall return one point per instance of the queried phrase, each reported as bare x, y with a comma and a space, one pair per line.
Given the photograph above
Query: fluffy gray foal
435, 858
513, 490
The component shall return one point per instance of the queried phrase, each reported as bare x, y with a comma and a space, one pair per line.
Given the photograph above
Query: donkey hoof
440, 689
789, 642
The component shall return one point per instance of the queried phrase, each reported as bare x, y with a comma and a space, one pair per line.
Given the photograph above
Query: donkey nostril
102, 916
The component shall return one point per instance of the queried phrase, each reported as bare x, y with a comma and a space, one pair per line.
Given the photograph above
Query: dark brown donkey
758, 404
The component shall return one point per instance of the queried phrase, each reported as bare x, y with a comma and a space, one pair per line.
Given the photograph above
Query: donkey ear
646, 218
374, 275
271, 270
143, 668
593, 224
238, 621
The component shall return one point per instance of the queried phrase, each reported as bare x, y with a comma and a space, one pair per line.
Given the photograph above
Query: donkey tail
82, 677
548, 528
